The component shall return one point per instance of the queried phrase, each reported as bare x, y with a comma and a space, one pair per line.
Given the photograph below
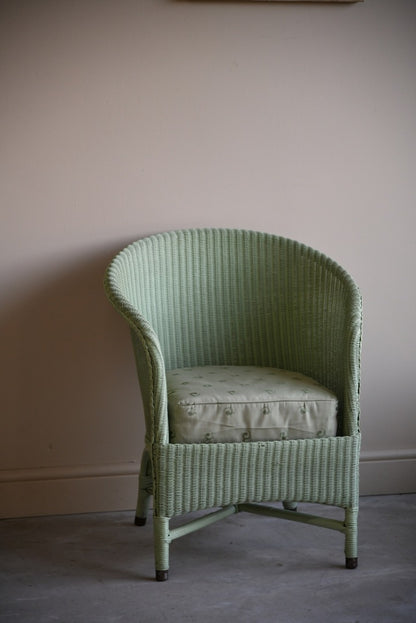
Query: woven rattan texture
231, 297
199, 476
214, 297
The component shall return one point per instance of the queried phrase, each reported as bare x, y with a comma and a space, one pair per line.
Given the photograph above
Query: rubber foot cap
162, 576
139, 521
351, 563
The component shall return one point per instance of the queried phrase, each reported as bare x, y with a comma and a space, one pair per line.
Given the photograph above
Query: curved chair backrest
233, 297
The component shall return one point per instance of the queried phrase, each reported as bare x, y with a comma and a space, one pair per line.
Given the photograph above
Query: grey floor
99, 567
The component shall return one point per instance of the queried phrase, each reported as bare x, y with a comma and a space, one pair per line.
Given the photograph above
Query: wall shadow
70, 393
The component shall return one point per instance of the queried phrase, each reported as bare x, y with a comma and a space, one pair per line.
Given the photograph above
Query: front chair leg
351, 538
161, 545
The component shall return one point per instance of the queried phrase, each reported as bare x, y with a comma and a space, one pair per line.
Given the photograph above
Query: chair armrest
352, 370
152, 379
149, 363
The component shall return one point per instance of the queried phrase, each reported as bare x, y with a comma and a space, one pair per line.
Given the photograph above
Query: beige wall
124, 118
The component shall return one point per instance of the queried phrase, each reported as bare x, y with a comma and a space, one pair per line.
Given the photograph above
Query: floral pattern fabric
219, 404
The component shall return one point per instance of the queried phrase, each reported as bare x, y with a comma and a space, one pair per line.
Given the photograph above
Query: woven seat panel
194, 477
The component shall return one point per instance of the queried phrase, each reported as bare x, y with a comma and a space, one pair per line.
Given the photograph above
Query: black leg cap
351, 563
139, 521
162, 576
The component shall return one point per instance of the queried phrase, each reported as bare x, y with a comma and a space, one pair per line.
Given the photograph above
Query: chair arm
152, 379
352, 372
149, 363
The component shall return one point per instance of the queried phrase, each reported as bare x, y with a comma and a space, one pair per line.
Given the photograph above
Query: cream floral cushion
246, 403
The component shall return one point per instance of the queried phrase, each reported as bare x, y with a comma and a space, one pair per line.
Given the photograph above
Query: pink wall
124, 118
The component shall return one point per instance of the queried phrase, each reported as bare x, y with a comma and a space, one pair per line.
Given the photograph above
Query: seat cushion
218, 404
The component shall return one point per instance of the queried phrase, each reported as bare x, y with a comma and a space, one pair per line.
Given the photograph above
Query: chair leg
145, 490
161, 545
290, 506
351, 538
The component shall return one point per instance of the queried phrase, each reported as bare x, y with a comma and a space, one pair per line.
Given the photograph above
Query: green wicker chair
224, 297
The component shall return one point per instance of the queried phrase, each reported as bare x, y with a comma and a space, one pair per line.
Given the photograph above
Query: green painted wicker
231, 297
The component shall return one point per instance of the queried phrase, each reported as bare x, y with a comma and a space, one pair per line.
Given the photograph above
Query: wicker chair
224, 297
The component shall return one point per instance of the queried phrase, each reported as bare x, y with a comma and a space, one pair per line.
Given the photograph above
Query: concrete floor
99, 567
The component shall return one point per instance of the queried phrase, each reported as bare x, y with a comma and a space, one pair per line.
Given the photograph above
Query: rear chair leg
290, 506
145, 490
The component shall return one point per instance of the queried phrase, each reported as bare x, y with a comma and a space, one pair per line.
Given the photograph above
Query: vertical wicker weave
232, 297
